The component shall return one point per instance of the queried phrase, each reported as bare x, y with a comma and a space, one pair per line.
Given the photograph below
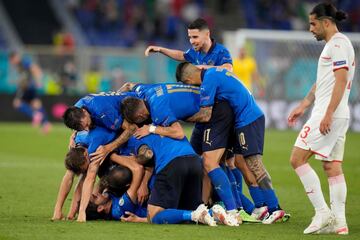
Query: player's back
172, 102
165, 149
226, 86
104, 108
94, 138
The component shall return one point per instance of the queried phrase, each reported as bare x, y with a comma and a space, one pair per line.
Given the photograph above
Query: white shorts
329, 147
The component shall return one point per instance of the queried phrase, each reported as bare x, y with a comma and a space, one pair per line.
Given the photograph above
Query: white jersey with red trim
338, 53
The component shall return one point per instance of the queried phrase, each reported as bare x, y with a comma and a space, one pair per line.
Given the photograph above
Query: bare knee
299, 157
152, 211
212, 159
332, 169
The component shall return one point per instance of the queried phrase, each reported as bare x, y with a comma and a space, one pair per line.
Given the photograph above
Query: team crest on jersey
339, 63
121, 202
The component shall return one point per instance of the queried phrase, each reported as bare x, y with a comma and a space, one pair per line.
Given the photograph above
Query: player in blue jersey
165, 104
101, 110
27, 100
178, 180
219, 84
77, 162
205, 52
109, 205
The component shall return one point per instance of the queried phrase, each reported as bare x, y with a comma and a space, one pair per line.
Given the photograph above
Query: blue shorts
250, 138
27, 94
179, 184
216, 133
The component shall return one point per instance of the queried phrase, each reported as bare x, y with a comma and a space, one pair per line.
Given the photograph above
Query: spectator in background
26, 99
245, 68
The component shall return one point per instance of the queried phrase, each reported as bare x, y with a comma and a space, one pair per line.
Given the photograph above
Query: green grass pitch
31, 168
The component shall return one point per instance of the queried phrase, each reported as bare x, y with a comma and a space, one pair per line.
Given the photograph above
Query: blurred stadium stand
96, 45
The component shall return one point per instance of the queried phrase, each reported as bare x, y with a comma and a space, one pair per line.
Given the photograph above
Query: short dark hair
93, 214
116, 181
328, 10
72, 118
199, 23
129, 107
74, 159
179, 71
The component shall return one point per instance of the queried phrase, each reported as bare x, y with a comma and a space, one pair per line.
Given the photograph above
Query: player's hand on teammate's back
142, 194
151, 49
325, 124
142, 132
294, 115
100, 154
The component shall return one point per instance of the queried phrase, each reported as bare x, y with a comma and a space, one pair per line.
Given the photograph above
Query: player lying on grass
78, 162
219, 84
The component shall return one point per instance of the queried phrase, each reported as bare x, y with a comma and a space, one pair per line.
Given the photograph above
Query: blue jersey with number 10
220, 84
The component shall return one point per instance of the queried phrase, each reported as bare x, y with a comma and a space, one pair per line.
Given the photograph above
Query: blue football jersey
104, 108
216, 56
220, 84
124, 204
171, 102
165, 149
94, 138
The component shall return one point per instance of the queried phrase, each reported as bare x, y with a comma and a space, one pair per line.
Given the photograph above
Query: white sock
312, 186
337, 186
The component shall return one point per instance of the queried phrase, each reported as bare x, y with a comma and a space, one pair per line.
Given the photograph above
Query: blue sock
234, 188
247, 204
239, 179
257, 196
26, 109
172, 216
271, 200
223, 188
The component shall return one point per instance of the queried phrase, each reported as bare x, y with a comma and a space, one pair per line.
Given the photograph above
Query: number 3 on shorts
305, 132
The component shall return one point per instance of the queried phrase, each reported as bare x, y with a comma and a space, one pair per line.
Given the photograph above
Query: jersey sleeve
122, 205
81, 138
189, 55
339, 54
224, 57
99, 136
208, 90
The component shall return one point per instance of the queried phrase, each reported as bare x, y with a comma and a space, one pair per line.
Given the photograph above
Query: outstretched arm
204, 115
64, 190
87, 190
227, 66
172, 53
75, 203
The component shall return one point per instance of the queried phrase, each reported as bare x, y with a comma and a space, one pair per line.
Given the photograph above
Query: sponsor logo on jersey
338, 63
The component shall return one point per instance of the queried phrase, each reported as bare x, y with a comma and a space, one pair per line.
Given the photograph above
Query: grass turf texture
31, 168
